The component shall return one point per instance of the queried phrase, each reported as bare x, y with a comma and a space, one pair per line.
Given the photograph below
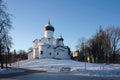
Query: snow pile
10, 70
76, 68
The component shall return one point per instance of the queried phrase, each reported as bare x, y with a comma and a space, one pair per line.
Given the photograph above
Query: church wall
36, 53
49, 52
42, 52
61, 53
33, 53
30, 55
46, 52
50, 41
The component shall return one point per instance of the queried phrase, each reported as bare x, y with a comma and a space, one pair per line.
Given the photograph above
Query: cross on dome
49, 27
49, 21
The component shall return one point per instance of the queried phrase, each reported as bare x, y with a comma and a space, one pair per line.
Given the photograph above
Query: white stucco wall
48, 51
48, 34
62, 53
36, 53
30, 55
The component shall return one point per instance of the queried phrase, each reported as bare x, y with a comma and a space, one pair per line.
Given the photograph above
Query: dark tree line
104, 47
15, 56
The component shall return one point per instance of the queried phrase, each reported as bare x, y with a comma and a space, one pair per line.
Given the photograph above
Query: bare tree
5, 26
80, 43
104, 46
22, 55
114, 40
82, 49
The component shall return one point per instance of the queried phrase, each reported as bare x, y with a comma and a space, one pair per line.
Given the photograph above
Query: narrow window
41, 52
50, 53
57, 53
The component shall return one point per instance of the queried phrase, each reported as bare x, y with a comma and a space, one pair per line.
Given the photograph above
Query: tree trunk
1, 57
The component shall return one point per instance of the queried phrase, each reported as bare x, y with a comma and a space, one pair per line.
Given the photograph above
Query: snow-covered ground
76, 68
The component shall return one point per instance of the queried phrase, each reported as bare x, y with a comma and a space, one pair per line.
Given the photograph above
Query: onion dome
60, 38
49, 27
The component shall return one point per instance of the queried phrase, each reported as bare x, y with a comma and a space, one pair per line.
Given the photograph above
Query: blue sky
71, 18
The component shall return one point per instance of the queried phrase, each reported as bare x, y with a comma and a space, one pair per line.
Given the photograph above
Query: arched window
57, 53
50, 53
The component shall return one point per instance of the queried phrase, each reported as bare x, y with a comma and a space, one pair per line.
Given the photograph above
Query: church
48, 46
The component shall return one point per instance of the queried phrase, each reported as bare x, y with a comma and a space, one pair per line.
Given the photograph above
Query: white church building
49, 47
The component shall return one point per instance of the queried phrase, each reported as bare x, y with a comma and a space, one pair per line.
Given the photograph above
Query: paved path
42, 75
54, 76
26, 72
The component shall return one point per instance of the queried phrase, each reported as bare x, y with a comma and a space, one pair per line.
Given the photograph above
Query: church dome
49, 27
60, 38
